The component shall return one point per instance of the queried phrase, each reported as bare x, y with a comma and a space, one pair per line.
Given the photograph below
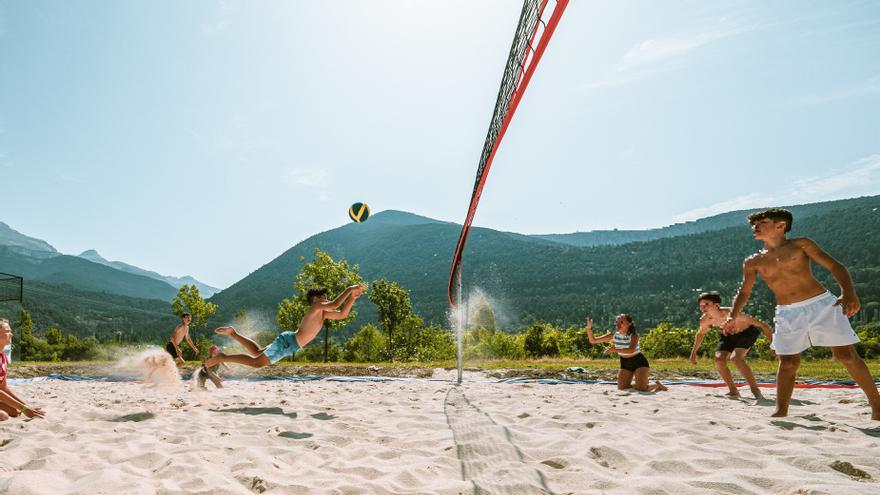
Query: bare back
787, 270
310, 325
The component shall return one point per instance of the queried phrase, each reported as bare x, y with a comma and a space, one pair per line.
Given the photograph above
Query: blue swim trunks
284, 345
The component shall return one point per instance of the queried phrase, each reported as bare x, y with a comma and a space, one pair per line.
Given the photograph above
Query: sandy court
423, 436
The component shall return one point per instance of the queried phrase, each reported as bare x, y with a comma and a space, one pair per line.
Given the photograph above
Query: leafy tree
189, 301
366, 346
541, 339
667, 341
26, 335
323, 271
53, 336
394, 307
484, 315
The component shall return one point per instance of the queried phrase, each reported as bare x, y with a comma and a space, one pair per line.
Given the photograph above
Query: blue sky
206, 138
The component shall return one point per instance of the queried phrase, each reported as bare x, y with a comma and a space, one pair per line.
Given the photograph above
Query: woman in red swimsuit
11, 404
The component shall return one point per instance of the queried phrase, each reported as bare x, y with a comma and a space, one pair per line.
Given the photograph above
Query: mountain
23, 244
177, 282
534, 279
716, 222
83, 275
525, 278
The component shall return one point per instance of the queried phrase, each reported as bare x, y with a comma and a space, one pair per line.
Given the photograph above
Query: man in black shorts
734, 345
181, 331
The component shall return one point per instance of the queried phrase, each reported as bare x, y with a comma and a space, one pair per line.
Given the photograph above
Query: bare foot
225, 331
733, 394
660, 386
757, 393
780, 413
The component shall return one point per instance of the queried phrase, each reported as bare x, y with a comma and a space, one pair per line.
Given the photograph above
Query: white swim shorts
812, 322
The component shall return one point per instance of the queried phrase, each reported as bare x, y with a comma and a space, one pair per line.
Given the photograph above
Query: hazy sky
206, 138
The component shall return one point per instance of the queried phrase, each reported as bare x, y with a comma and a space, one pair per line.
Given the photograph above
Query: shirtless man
806, 313
287, 343
181, 331
734, 345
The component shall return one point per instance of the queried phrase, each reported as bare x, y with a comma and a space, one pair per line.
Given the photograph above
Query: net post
460, 326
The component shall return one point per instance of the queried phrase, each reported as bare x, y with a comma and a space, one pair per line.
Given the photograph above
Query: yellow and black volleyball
359, 212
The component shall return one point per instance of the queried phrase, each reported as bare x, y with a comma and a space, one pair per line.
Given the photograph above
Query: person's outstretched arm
750, 275
698, 341
593, 339
334, 304
848, 299
765, 328
341, 314
9, 399
191, 344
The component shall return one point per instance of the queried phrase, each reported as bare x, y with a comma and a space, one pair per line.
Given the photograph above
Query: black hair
775, 214
315, 292
711, 295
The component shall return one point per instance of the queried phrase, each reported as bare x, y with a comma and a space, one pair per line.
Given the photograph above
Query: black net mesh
10, 287
528, 21
526, 31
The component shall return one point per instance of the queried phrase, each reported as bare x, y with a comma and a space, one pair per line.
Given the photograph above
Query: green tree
323, 271
483, 314
366, 346
188, 300
667, 341
53, 336
26, 335
393, 304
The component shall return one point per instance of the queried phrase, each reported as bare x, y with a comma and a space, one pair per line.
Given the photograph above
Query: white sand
431, 437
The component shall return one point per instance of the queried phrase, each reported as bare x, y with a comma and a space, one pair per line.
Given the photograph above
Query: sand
421, 436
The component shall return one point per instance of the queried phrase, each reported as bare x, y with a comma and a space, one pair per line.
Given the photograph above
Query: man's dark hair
315, 292
185, 315
775, 214
710, 296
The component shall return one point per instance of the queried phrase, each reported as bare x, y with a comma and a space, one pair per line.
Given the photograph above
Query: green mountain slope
716, 222
83, 275
532, 279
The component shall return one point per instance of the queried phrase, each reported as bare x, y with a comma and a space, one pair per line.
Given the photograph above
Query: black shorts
742, 340
172, 350
634, 363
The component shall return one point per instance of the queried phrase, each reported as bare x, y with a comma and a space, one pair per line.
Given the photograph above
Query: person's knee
789, 363
720, 359
846, 355
738, 359
262, 360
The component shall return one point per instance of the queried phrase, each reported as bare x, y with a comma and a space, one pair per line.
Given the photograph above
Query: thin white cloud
859, 178
867, 87
314, 178
656, 55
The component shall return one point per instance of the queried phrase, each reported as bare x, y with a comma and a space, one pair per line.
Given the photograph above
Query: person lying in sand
807, 314
287, 343
212, 373
625, 342
734, 345
11, 405
159, 369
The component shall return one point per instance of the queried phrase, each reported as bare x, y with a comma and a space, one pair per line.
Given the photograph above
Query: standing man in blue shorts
806, 313
287, 343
